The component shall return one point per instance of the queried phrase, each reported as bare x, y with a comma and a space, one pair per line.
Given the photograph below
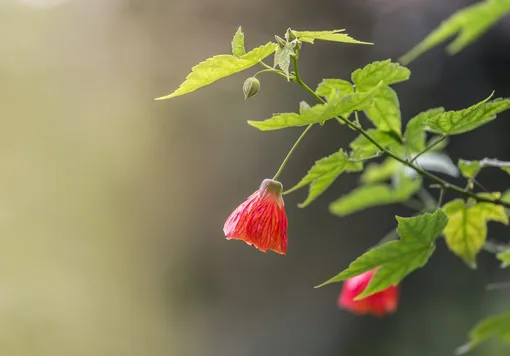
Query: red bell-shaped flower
379, 304
261, 220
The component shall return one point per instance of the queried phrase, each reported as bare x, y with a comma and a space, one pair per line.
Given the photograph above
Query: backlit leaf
238, 49
467, 226
374, 195
415, 134
218, 67
323, 173
333, 88
363, 147
373, 73
469, 169
335, 36
319, 113
394, 260
376, 172
385, 113
497, 326
504, 257
457, 122
469, 23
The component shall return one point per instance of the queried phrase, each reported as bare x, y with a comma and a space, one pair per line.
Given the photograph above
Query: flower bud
251, 87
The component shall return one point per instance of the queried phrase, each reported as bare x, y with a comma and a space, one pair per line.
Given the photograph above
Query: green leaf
504, 257
415, 134
394, 260
363, 147
238, 49
497, 326
334, 88
469, 23
282, 57
334, 36
457, 122
385, 113
323, 173
373, 73
469, 169
218, 67
467, 226
318, 113
374, 195
375, 172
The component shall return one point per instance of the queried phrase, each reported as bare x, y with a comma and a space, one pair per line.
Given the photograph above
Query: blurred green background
112, 204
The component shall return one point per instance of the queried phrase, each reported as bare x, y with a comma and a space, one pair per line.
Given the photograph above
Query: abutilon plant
368, 105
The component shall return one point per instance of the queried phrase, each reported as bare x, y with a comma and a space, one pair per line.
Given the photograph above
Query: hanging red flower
261, 220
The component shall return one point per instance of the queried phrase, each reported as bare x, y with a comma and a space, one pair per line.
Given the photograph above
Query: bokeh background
112, 204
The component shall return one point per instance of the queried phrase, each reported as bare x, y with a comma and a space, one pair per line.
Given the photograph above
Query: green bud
251, 87
290, 35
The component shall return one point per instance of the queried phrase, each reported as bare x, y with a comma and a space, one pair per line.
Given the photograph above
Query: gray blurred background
112, 204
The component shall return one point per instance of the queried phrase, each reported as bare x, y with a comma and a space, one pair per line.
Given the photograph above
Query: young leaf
396, 259
457, 122
323, 174
469, 23
318, 113
385, 113
375, 172
238, 49
373, 73
497, 326
218, 67
467, 226
504, 257
414, 134
282, 57
374, 195
333, 88
469, 169
335, 36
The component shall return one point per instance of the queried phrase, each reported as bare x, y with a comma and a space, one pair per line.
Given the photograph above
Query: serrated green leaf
497, 326
374, 195
457, 122
415, 134
238, 49
469, 169
386, 71
334, 36
323, 173
319, 113
282, 57
469, 23
396, 259
333, 88
363, 147
218, 67
504, 257
385, 113
376, 172
467, 227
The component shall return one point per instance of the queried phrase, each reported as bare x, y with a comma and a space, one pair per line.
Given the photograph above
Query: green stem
442, 138
444, 184
296, 78
282, 166
271, 69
